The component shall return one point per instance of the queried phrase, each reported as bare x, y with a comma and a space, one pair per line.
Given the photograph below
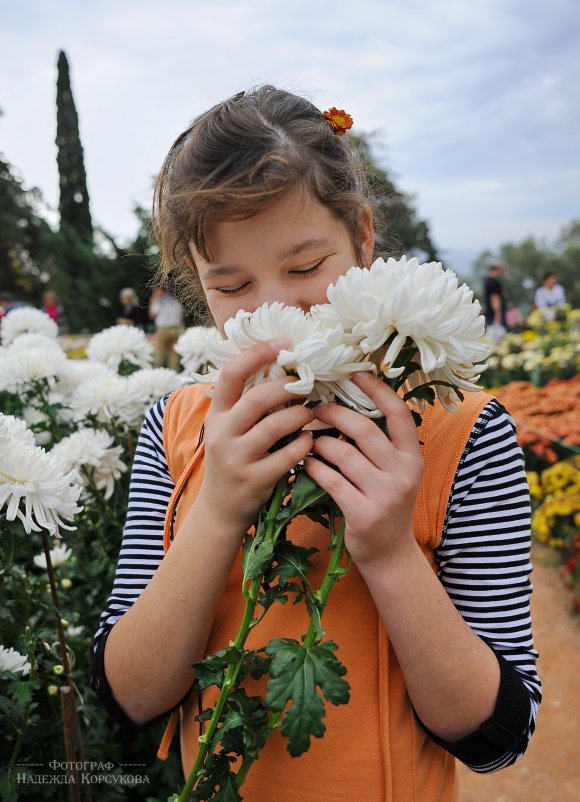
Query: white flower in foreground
58, 556
152, 384
396, 300
91, 453
26, 319
316, 354
35, 489
192, 346
107, 399
11, 660
13, 430
121, 344
19, 369
33, 340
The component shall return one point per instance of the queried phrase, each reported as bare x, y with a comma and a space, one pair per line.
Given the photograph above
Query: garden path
550, 769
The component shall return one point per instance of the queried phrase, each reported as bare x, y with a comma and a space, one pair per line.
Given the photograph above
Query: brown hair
238, 158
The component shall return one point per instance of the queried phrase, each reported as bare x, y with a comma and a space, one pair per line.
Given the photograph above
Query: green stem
333, 573
271, 532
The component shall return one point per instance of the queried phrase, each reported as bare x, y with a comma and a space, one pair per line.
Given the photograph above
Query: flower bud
58, 669
52, 690
64, 623
66, 583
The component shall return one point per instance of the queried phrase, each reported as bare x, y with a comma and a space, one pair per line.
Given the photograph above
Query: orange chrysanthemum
338, 119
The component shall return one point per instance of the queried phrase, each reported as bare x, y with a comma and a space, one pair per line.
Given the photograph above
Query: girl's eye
309, 271
235, 291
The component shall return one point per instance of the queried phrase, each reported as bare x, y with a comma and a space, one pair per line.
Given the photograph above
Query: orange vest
373, 748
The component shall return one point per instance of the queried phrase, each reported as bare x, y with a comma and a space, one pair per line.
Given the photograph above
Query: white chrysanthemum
396, 300
34, 416
74, 632
192, 346
35, 488
26, 319
91, 453
152, 384
107, 399
58, 556
33, 340
11, 660
316, 354
13, 430
121, 344
19, 369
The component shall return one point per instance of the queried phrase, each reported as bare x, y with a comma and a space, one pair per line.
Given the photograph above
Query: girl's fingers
346, 495
259, 401
261, 437
369, 438
402, 429
237, 371
349, 461
275, 465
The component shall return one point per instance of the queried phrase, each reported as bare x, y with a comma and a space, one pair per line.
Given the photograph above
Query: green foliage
296, 672
74, 197
26, 239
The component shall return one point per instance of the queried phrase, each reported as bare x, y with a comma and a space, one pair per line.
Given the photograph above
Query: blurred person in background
495, 308
51, 306
131, 312
550, 293
167, 314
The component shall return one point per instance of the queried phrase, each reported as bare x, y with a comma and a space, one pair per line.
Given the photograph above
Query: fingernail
279, 343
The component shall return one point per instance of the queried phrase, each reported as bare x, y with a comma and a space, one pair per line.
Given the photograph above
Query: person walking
167, 314
495, 309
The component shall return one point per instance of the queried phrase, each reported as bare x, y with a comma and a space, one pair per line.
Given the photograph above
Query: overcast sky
475, 104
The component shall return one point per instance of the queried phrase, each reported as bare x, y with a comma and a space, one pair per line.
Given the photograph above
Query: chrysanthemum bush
547, 348
556, 518
68, 430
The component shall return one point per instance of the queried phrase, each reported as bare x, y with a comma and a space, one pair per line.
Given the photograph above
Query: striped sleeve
484, 565
142, 545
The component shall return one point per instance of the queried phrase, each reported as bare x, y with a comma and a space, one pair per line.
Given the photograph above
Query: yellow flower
528, 335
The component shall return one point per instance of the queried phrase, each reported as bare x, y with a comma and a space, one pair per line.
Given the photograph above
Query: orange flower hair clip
339, 120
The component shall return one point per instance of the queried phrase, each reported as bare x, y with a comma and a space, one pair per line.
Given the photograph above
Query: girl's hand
240, 473
376, 484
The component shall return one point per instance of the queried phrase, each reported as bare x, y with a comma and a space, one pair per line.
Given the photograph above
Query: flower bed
546, 417
548, 348
556, 518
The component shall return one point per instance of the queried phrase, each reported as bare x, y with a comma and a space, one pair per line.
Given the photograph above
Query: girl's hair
238, 158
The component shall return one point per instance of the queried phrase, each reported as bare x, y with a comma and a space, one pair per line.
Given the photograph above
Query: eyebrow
293, 250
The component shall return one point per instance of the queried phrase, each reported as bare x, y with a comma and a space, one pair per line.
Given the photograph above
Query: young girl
259, 201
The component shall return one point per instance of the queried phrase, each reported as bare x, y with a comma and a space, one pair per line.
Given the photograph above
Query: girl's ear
366, 237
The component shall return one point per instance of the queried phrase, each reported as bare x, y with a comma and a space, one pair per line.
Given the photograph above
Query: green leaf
305, 493
255, 664
291, 561
210, 670
257, 555
219, 782
269, 595
249, 715
422, 391
296, 673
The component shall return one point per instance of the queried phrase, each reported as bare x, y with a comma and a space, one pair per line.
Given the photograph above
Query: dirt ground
550, 769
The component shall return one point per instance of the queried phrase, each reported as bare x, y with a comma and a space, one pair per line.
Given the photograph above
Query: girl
259, 201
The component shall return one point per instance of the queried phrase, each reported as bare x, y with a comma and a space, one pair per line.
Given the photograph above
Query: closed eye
309, 271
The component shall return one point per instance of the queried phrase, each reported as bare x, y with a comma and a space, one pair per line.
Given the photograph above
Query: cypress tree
74, 197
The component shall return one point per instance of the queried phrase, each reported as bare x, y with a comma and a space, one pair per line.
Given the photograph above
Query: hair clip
338, 119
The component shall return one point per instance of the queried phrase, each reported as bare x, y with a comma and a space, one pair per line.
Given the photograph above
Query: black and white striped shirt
483, 559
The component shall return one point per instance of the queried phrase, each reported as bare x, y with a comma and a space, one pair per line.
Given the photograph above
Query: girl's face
289, 252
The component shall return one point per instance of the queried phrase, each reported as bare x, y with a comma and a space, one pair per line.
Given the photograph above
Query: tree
399, 231
74, 197
26, 239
